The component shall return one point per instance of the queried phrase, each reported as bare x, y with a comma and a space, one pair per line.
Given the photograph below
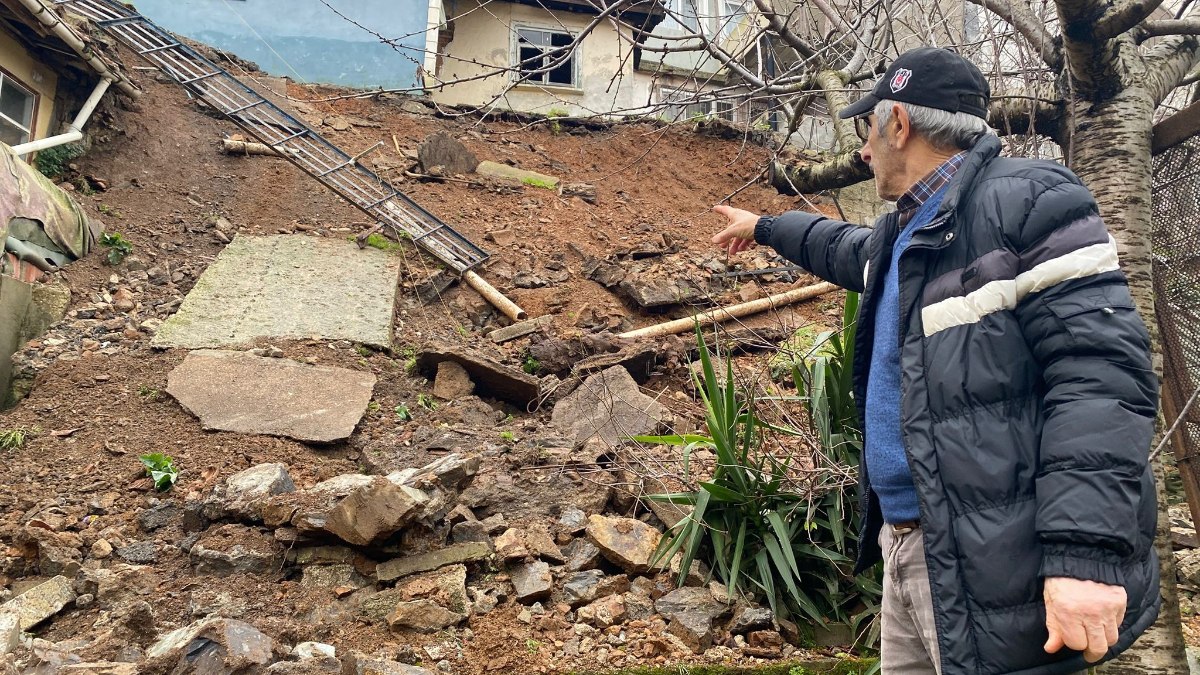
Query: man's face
882, 154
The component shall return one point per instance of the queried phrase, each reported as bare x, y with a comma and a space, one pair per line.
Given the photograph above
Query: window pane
533, 37
531, 59
16, 103
564, 73
10, 134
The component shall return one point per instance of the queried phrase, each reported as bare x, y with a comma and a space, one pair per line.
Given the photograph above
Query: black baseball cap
932, 77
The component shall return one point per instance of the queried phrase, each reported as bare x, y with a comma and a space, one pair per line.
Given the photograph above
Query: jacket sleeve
1100, 393
831, 249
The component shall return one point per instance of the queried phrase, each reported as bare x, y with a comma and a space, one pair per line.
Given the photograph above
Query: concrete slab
236, 391
288, 286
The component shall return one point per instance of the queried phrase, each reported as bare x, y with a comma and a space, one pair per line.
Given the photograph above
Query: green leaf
688, 498
723, 494
781, 533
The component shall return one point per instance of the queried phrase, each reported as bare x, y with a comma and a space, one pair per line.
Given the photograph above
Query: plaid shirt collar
925, 188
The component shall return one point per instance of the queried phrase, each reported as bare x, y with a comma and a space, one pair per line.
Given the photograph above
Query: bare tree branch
1030, 27
777, 24
1176, 129
1168, 63
1152, 29
834, 86
1123, 17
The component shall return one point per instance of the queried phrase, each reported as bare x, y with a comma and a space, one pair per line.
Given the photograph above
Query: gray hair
943, 130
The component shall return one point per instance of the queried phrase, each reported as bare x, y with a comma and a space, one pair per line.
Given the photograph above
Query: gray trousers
908, 641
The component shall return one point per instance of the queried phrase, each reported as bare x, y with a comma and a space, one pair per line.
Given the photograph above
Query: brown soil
167, 182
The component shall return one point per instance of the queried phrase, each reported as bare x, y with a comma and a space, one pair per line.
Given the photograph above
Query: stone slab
288, 286
41, 602
520, 329
240, 392
491, 377
424, 562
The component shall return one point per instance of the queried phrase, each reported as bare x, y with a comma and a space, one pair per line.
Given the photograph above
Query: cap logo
900, 80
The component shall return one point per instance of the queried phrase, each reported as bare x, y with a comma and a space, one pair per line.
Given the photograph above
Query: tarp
26, 195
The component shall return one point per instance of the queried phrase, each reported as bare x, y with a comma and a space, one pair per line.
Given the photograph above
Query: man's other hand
1082, 615
739, 235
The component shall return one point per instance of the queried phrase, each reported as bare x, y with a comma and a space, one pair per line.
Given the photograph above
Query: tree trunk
1110, 151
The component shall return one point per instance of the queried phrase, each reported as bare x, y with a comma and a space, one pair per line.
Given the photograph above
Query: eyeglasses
863, 127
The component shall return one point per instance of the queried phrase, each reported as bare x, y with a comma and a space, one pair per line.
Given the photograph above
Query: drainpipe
75, 131
69, 36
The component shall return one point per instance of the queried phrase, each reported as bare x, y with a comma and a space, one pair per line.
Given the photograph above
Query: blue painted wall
306, 39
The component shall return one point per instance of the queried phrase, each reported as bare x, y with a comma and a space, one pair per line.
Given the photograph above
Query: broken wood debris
732, 312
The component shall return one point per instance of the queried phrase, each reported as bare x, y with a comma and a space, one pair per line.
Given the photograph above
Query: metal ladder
270, 125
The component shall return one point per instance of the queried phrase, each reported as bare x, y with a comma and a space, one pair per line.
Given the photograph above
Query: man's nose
865, 152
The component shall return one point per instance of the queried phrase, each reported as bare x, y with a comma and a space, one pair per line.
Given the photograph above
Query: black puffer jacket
1028, 402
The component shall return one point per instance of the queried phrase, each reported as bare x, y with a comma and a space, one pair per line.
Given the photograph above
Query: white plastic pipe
75, 130
69, 36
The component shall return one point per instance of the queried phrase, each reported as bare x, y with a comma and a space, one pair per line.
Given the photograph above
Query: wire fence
1176, 236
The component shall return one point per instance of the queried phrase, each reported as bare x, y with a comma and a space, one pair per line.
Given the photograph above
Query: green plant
14, 439
161, 469
532, 646
758, 535
553, 114
118, 247
507, 436
402, 413
149, 393
539, 183
426, 401
531, 365
52, 162
376, 240
372, 407
363, 350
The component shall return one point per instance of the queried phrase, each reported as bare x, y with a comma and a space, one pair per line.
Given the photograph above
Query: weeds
53, 162
149, 393
118, 247
161, 469
426, 401
553, 114
15, 438
532, 646
372, 407
507, 436
531, 365
402, 413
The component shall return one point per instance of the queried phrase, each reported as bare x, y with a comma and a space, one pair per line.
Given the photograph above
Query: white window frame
728, 22
8, 81
724, 108
576, 57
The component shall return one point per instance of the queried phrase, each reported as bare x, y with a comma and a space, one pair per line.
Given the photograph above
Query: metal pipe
68, 35
75, 130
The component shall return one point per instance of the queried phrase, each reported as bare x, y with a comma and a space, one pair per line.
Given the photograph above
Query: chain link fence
1176, 236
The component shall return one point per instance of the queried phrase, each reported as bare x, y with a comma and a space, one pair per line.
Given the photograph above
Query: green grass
15, 438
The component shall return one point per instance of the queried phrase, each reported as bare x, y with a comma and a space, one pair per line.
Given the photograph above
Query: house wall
19, 64
483, 41
305, 39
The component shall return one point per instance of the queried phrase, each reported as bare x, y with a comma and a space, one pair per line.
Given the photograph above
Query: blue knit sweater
887, 463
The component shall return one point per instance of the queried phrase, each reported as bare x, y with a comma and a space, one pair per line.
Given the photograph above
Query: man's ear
900, 127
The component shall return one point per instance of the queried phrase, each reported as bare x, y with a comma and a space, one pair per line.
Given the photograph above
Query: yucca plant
760, 537
758, 534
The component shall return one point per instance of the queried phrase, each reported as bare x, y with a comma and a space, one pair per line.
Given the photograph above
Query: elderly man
1004, 379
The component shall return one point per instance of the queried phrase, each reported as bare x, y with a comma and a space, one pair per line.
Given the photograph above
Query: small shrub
53, 162
118, 247
161, 469
402, 413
